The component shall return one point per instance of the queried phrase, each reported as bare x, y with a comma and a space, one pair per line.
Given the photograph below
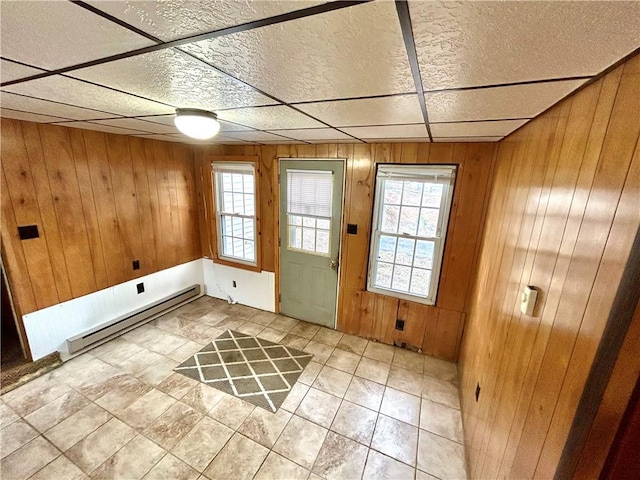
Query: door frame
17, 313
276, 230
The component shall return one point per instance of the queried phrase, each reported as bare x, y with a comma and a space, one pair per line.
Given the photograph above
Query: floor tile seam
60, 453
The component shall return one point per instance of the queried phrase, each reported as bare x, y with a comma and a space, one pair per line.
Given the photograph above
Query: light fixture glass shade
195, 123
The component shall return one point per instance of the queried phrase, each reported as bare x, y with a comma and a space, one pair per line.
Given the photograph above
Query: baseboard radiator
123, 324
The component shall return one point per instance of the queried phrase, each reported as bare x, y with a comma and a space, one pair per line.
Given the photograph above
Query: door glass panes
309, 197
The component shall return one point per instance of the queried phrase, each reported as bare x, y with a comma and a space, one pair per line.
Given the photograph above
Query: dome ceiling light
199, 124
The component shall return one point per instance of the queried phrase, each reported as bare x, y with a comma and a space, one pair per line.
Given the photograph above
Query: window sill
401, 296
231, 263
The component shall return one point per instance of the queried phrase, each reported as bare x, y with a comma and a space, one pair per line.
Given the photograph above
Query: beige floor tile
115, 351
355, 422
202, 443
301, 441
171, 468
343, 360
200, 333
327, 336
240, 459
276, 467
164, 342
381, 467
212, 318
295, 396
401, 406
320, 351
441, 369
177, 385
89, 376
365, 392
7, 415
413, 361
157, 372
231, 323
265, 427
396, 439
122, 393
172, 425
144, 411
249, 328
188, 349
264, 318
56, 411
441, 457
283, 323
440, 391
272, 334
35, 394
139, 361
306, 330
27, 460
203, 397
420, 475
77, 426
441, 420
333, 381
353, 344
98, 446
14, 436
310, 373
132, 461
231, 411
340, 458
373, 370
60, 469
171, 323
379, 351
405, 380
294, 341
319, 407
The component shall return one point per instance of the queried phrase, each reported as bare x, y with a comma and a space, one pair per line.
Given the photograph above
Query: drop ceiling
306, 71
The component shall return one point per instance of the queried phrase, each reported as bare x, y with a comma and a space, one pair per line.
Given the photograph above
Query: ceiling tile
284, 141
389, 131
59, 34
100, 128
174, 78
29, 117
476, 129
13, 71
351, 140
164, 138
45, 107
182, 18
255, 136
397, 140
137, 124
353, 52
75, 92
462, 44
224, 126
367, 111
466, 139
269, 118
518, 101
315, 134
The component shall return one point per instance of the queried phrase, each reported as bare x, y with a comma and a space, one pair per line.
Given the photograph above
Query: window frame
439, 239
216, 217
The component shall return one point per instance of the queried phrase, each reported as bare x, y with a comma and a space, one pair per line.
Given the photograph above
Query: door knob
333, 264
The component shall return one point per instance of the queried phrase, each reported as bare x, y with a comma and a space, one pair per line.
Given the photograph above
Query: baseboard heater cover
127, 322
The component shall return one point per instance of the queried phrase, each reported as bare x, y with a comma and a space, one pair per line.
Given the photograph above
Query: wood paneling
562, 215
438, 329
100, 201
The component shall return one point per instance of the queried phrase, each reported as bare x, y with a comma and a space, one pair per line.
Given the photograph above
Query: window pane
295, 220
420, 281
392, 191
249, 253
227, 202
387, 248
324, 223
226, 225
309, 239
237, 182
322, 241
383, 275
401, 277
249, 205
238, 251
404, 256
227, 246
390, 216
308, 222
295, 237
248, 229
226, 182
409, 220
237, 227
432, 195
309, 192
412, 193
428, 222
248, 183
424, 254
238, 203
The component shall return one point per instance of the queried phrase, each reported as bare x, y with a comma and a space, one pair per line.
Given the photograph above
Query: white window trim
408, 173
231, 167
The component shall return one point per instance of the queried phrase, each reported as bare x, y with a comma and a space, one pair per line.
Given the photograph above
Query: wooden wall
438, 329
100, 201
563, 213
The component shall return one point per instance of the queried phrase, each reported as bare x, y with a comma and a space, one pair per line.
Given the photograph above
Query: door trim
276, 230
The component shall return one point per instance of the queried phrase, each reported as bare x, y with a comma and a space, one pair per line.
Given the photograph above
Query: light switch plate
528, 300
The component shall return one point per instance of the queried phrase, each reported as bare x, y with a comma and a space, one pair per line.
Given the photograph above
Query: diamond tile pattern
250, 368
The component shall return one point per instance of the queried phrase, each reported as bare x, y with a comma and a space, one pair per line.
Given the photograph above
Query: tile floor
359, 410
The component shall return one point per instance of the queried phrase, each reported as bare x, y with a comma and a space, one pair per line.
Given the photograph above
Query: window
411, 211
235, 197
309, 194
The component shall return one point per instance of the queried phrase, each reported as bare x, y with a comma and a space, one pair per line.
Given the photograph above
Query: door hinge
278, 179
279, 298
279, 242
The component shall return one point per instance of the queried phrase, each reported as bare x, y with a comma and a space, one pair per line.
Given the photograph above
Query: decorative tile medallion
256, 370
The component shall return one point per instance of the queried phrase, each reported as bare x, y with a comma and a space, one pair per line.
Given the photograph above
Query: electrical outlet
399, 324
136, 264
477, 391
28, 231
234, 284
140, 287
